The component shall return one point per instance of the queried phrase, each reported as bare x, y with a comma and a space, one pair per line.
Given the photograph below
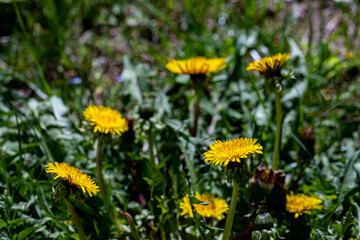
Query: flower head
301, 203
105, 120
196, 65
270, 66
74, 176
223, 153
215, 209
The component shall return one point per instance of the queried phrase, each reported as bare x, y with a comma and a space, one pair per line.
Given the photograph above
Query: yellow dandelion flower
231, 151
105, 120
74, 176
270, 66
196, 65
215, 209
301, 203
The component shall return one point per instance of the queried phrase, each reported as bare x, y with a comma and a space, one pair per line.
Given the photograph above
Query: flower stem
76, 219
276, 155
231, 214
99, 168
196, 113
102, 183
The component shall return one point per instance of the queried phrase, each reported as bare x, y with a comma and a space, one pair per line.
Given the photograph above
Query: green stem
151, 144
231, 214
99, 168
76, 219
196, 113
276, 155
102, 183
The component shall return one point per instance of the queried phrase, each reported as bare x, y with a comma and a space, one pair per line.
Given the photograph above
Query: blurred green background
58, 57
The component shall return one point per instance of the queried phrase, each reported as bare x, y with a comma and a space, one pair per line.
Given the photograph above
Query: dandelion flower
301, 203
105, 120
74, 176
196, 65
223, 153
270, 66
215, 209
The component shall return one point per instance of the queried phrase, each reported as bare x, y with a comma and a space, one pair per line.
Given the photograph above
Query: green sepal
264, 221
238, 172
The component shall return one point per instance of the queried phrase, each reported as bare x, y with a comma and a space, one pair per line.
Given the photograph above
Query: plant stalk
99, 168
76, 219
196, 113
102, 183
276, 155
231, 214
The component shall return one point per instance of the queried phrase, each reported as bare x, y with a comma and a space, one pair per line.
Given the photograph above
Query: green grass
45, 44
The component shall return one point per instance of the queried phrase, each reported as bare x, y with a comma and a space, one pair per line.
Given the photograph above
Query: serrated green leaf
349, 177
341, 227
154, 178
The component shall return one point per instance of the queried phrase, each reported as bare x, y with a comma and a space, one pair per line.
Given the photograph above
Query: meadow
180, 119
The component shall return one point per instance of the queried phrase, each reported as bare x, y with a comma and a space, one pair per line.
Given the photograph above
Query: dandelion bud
269, 187
264, 221
264, 228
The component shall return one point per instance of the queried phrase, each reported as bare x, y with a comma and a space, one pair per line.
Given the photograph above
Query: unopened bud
268, 187
264, 221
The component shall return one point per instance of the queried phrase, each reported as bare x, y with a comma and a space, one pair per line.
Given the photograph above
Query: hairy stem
102, 183
276, 155
231, 214
76, 219
99, 168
